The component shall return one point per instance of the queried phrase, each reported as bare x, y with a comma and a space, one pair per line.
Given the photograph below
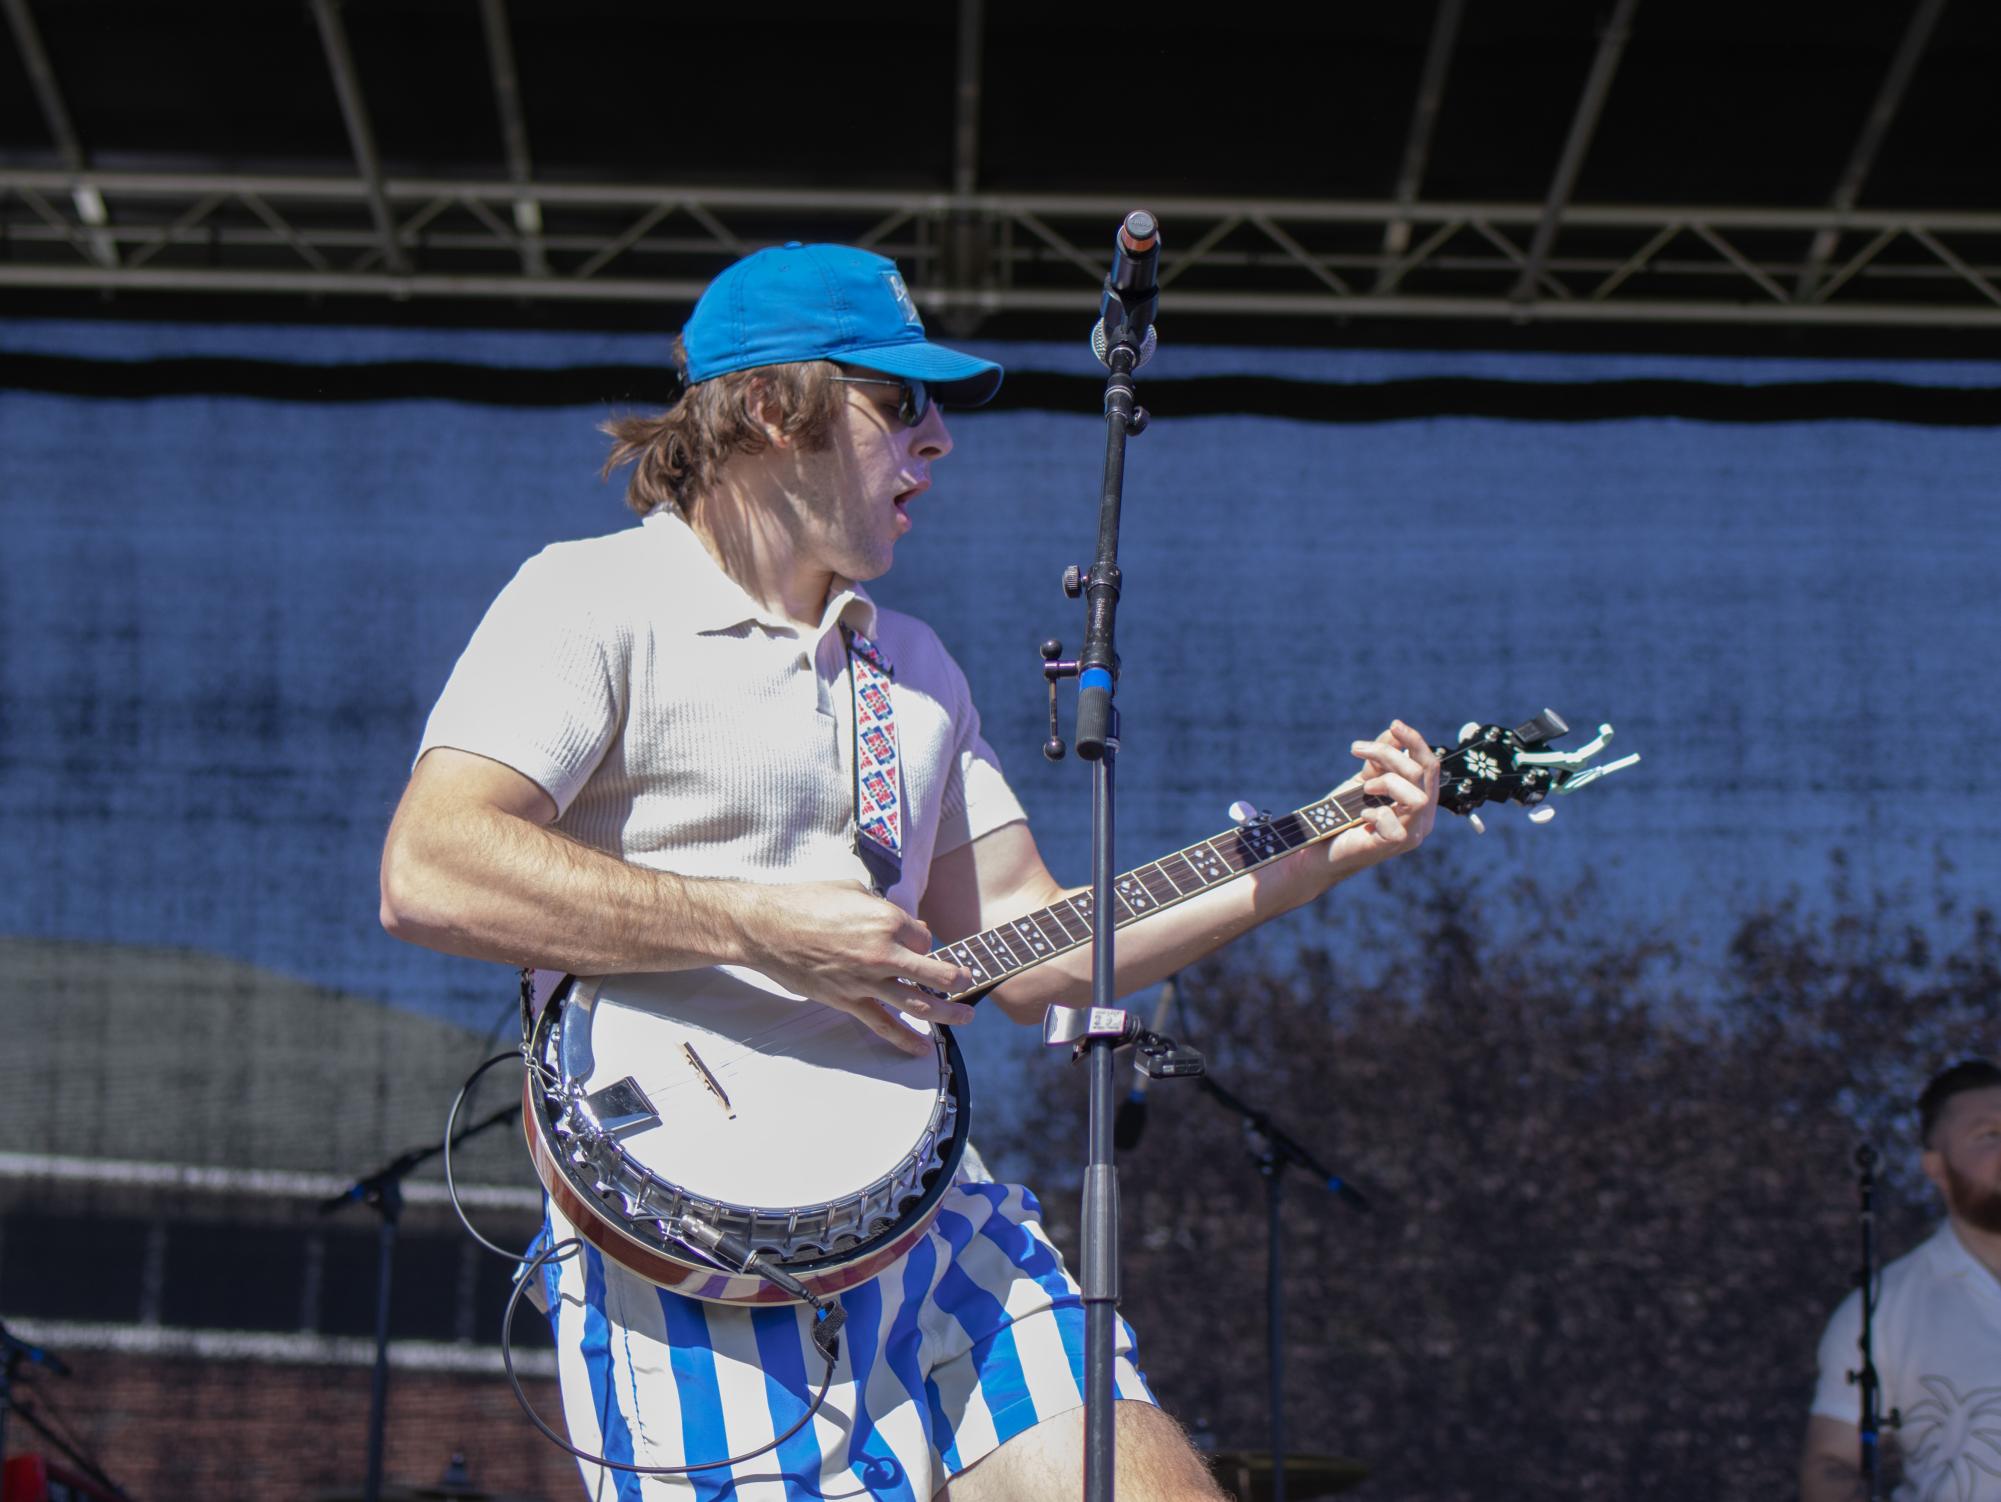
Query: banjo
663, 1111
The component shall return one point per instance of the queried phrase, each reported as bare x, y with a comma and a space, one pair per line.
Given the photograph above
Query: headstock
1492, 764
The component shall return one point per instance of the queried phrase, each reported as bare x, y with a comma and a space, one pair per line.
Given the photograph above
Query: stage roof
1624, 173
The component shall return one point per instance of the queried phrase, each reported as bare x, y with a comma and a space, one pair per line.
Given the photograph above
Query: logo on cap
903, 300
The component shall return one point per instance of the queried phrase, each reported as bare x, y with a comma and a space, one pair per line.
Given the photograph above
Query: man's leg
1154, 1463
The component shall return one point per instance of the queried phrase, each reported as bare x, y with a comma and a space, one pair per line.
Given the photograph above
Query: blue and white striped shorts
975, 1335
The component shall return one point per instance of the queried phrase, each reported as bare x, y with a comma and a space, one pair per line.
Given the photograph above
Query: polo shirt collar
1954, 1258
706, 599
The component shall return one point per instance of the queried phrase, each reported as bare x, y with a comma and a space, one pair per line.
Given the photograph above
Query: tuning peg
1541, 815
1467, 731
1576, 758
1243, 812
1585, 779
1479, 824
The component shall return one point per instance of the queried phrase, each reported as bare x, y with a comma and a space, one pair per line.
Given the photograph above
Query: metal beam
360, 135
871, 201
1583, 125
628, 238
1973, 278
1029, 300
1423, 117
966, 132
55, 113
514, 132
220, 234
959, 248
1238, 269
1889, 99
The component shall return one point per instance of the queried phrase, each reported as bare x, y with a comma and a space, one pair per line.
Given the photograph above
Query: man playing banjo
651, 758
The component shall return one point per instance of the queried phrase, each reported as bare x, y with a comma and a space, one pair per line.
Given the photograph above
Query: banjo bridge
695, 1063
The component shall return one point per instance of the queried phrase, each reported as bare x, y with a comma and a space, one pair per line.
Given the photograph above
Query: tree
1614, 1190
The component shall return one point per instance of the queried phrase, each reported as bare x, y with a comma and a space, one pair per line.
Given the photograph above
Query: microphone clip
1156, 1055
1162, 1058
1131, 296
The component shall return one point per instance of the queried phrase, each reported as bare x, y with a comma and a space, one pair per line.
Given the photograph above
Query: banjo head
764, 1099
715, 1095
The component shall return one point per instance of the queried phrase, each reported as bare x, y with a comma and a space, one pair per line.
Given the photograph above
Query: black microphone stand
1275, 1150
1123, 338
1864, 1376
16, 1351
383, 1191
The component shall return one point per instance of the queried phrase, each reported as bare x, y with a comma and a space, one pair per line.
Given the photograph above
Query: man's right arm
471, 867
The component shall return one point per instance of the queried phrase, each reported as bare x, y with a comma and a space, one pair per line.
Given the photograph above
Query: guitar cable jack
737, 1254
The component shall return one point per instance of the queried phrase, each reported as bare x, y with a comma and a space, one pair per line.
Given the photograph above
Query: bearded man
1936, 1336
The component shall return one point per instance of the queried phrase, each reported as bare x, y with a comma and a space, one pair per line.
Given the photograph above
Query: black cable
829, 1347
493, 1035
451, 1184
560, 1250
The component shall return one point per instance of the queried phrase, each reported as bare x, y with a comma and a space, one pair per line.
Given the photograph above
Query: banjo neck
996, 954
641, 1164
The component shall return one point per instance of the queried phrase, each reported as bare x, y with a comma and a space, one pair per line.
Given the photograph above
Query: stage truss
977, 257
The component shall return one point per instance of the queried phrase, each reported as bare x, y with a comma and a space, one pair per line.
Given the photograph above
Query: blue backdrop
222, 622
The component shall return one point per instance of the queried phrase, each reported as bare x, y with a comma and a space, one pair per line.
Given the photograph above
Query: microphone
1130, 1119
13, 1346
1132, 291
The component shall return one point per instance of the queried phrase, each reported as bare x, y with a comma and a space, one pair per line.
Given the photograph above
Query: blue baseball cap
825, 302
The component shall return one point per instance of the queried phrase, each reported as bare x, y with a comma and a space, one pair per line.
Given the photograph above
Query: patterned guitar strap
878, 777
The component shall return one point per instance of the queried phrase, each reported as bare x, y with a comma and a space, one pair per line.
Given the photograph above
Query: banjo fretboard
999, 952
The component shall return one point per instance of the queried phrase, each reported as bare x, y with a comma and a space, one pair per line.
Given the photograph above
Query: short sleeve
977, 799
1834, 1396
537, 688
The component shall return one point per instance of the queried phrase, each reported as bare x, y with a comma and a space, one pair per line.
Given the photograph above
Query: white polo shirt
679, 724
1936, 1340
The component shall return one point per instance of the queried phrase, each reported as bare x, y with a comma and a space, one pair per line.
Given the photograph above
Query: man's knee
1153, 1463
1167, 1465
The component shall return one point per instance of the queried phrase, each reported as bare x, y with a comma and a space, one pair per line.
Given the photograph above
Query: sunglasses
916, 401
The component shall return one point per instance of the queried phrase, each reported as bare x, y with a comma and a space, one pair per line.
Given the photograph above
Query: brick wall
184, 1430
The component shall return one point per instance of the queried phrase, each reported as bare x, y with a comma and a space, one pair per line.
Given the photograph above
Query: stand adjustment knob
1075, 577
1053, 667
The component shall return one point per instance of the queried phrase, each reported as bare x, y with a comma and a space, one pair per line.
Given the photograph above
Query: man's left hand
1398, 765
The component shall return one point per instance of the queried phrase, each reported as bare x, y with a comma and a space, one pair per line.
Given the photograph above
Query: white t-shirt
679, 724
1937, 1346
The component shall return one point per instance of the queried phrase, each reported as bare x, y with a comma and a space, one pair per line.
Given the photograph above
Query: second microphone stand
1275, 1150
1864, 1375
383, 1192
